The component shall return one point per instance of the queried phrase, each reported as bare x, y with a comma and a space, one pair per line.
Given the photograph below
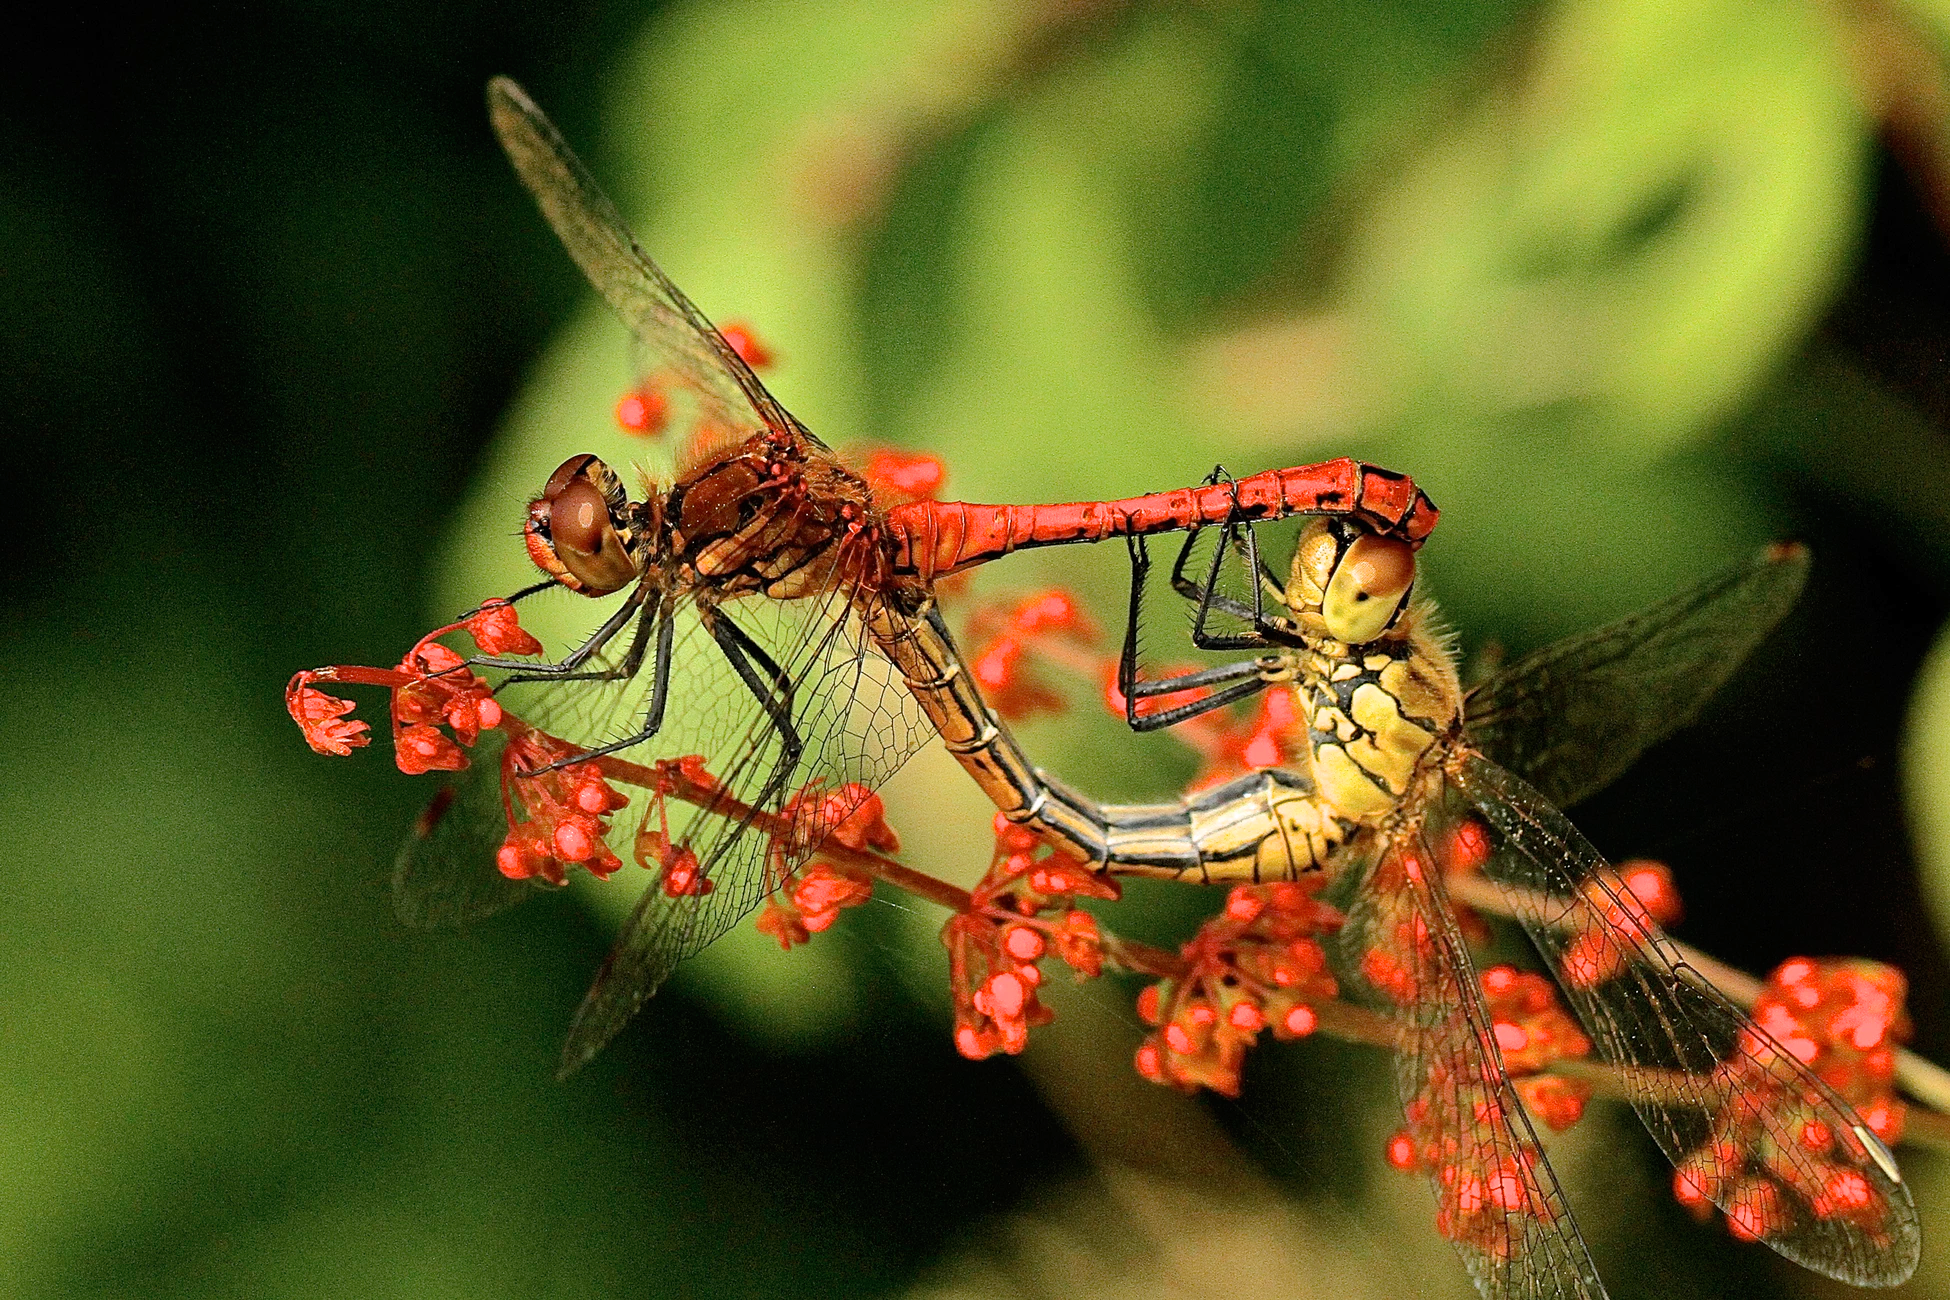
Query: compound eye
574, 532
578, 519
1368, 588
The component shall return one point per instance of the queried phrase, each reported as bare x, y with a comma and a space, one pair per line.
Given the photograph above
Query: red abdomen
933, 538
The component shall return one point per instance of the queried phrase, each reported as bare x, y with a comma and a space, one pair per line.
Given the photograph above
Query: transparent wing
1573, 716
674, 336
444, 874
1499, 1201
1740, 1117
857, 724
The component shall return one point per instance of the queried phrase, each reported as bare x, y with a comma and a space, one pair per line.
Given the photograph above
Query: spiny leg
653, 717
1133, 690
1206, 594
774, 696
565, 669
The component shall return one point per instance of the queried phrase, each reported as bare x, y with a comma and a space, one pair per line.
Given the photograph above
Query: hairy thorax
1374, 714
764, 519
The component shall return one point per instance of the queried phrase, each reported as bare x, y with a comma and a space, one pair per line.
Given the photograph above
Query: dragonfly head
1347, 583
582, 530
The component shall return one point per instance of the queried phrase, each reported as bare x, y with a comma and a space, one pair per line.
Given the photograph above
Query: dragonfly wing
445, 874
1500, 1203
670, 329
1762, 1136
856, 723
1573, 716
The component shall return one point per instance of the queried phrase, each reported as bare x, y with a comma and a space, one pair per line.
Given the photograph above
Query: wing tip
504, 89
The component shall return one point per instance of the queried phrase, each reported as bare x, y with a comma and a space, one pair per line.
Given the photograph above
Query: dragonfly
1408, 779
773, 620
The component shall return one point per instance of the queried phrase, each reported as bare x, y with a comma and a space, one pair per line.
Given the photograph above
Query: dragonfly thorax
764, 517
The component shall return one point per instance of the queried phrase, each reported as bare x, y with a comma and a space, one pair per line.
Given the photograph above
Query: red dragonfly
1402, 783
818, 601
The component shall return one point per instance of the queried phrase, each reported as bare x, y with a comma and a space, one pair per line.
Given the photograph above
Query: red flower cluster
995, 945
1842, 1018
808, 900
1477, 1189
1531, 1031
558, 818
1402, 943
1007, 644
1258, 963
432, 688
1456, 1120
680, 873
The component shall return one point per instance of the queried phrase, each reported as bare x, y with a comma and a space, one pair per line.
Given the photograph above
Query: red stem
1339, 1019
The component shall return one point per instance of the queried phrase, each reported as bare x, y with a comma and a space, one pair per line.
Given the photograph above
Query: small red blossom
497, 630
1257, 964
420, 749
805, 901
643, 411
851, 816
823, 889
322, 718
901, 477
784, 925
811, 901
996, 944
745, 342
1557, 1101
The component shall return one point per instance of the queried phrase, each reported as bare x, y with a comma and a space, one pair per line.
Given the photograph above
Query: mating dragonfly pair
830, 665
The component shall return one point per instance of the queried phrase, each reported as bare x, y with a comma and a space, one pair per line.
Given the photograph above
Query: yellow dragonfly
1406, 778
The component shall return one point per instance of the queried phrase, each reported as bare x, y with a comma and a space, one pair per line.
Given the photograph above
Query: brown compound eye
576, 530
1368, 588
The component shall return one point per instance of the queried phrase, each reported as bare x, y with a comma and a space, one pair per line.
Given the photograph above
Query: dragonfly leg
1237, 532
1259, 671
773, 690
565, 669
1206, 595
653, 716
1258, 681
533, 589
625, 669
1184, 585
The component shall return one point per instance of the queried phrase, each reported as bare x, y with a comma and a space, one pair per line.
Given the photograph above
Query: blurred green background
1628, 287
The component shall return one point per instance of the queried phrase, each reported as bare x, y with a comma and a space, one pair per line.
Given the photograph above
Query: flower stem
1926, 1082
